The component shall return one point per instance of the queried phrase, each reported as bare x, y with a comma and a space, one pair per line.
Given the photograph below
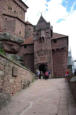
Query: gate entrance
43, 67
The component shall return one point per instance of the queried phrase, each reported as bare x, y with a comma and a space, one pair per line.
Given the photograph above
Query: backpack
46, 73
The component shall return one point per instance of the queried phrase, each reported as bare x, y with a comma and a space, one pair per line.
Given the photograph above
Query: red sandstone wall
29, 49
29, 61
10, 24
20, 29
59, 63
13, 77
29, 31
59, 52
60, 43
28, 56
13, 26
11, 8
41, 50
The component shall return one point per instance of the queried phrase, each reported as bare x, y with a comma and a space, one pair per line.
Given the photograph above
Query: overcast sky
60, 13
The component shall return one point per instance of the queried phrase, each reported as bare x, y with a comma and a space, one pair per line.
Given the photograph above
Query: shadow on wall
4, 99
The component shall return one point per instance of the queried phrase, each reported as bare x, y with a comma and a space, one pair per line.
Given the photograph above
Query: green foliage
2, 51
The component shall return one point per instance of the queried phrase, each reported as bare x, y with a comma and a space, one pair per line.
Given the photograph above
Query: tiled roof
29, 40
56, 36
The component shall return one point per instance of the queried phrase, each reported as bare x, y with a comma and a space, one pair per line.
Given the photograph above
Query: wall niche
14, 72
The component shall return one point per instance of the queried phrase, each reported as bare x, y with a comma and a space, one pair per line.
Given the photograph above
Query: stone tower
42, 46
12, 17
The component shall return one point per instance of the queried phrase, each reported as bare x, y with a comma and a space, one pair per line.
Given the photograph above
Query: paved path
43, 97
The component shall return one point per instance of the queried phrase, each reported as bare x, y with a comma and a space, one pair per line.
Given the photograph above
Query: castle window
14, 11
5, 18
37, 34
9, 7
20, 32
25, 46
55, 41
14, 72
51, 33
41, 39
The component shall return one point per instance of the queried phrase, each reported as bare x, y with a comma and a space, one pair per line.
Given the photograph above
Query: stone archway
43, 67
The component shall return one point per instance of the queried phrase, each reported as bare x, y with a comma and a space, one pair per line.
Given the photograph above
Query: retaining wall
13, 77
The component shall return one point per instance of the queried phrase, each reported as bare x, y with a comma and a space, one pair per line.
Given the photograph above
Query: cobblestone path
43, 97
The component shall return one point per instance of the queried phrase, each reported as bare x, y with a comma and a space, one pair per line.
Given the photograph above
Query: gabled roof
41, 20
42, 24
57, 35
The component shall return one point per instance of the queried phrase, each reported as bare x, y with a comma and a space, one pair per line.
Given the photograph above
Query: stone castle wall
13, 26
59, 43
12, 17
11, 7
59, 63
59, 54
29, 31
27, 52
13, 77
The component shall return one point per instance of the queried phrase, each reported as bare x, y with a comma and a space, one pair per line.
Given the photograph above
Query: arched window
55, 41
41, 39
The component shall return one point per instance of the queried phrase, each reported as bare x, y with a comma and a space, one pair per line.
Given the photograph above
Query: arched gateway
43, 67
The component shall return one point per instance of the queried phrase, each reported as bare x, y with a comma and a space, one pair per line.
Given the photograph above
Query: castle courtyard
43, 97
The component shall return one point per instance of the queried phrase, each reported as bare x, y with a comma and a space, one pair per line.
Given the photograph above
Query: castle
39, 46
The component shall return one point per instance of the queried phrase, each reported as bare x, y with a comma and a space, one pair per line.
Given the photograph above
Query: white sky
63, 22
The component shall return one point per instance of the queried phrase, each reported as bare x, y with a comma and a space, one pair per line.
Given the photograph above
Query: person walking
46, 75
38, 73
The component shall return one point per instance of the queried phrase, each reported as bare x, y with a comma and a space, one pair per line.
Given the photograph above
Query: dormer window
55, 41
